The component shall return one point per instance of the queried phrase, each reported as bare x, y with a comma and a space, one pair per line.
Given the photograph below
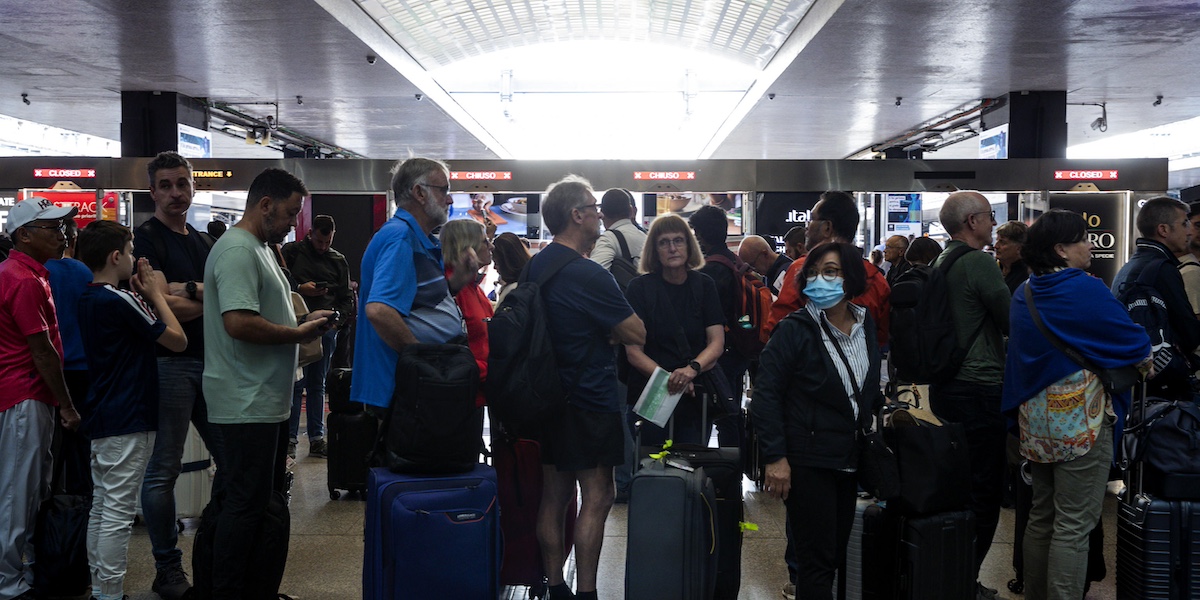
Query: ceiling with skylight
594, 79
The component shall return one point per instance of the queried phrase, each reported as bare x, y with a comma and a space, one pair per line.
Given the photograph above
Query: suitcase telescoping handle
705, 428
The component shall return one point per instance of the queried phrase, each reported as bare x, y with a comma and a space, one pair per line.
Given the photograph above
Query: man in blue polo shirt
405, 294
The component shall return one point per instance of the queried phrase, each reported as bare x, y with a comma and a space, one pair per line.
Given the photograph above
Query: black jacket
306, 264
800, 406
1184, 324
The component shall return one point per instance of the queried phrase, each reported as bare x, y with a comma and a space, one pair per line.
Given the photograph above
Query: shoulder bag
878, 471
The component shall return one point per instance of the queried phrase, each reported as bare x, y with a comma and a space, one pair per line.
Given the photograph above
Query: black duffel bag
933, 459
433, 425
60, 537
1167, 442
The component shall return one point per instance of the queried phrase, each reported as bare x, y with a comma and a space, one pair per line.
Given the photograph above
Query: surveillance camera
771, 96
418, 97
371, 58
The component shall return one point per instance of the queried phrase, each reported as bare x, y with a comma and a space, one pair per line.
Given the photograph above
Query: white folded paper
656, 404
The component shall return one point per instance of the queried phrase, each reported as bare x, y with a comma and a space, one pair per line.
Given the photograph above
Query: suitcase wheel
334, 494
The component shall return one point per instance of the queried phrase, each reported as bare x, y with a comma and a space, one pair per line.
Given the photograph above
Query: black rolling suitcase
917, 557
337, 388
1158, 540
723, 466
351, 437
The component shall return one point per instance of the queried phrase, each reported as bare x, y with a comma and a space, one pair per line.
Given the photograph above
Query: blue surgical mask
824, 293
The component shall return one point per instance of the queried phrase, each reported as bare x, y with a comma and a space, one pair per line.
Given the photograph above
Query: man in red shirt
31, 380
835, 219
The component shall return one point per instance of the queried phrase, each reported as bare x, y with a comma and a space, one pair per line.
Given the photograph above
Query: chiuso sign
1106, 174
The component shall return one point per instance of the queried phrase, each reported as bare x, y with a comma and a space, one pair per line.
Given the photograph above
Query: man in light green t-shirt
250, 335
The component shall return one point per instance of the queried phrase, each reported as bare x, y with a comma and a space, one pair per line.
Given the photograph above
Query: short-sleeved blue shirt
119, 332
402, 268
68, 279
583, 304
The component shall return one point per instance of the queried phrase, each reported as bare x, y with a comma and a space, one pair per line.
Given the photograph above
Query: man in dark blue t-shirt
586, 313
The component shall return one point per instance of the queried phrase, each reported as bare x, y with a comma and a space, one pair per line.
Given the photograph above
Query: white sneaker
789, 591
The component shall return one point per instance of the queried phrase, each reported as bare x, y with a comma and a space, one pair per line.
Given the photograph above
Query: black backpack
433, 425
924, 341
1147, 308
624, 267
523, 386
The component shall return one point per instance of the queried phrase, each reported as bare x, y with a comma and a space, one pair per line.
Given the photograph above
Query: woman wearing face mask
817, 387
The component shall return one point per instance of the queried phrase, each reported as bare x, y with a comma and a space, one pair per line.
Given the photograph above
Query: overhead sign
481, 175
194, 143
664, 175
1086, 175
65, 173
218, 174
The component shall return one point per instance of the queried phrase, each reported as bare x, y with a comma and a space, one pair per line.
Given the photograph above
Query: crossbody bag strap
624, 246
1073, 354
845, 361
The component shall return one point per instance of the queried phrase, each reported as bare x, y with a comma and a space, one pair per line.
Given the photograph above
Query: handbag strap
1073, 354
845, 361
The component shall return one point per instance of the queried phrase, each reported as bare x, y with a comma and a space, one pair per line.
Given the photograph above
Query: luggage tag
679, 465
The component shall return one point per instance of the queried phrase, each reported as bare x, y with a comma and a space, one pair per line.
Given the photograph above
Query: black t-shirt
181, 259
664, 307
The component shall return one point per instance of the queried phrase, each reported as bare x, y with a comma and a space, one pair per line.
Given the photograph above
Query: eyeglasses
61, 228
665, 243
982, 212
444, 189
595, 205
828, 274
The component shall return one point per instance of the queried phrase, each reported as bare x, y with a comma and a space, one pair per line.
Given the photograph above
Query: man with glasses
405, 294
893, 252
585, 312
979, 300
31, 381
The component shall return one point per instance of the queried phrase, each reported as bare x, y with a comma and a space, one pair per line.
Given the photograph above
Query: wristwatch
695, 365
190, 288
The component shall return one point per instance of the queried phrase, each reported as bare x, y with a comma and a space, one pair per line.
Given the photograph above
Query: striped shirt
854, 346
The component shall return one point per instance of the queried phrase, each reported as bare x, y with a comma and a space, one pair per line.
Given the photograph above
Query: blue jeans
181, 400
314, 382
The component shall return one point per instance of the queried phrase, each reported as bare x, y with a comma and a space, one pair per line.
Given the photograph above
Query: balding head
967, 218
757, 252
894, 248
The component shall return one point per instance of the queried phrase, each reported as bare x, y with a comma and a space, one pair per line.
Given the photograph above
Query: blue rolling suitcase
432, 536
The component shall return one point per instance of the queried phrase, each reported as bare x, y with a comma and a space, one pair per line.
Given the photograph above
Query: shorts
578, 440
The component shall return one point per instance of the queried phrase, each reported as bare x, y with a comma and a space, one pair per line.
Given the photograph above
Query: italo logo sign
798, 216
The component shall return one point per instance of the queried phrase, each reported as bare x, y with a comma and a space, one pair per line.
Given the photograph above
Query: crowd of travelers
116, 372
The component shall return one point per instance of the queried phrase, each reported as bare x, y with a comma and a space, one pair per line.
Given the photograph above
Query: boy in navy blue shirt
119, 329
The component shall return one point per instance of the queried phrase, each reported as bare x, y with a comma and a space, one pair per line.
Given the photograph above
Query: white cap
32, 209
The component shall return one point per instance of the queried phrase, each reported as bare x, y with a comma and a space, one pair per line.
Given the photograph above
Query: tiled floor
325, 558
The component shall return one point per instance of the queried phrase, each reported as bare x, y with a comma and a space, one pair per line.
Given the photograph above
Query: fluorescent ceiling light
590, 78
596, 100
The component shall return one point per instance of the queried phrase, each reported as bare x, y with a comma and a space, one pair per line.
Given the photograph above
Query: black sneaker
318, 448
171, 583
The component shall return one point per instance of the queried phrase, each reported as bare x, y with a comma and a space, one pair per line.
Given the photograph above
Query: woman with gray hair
460, 237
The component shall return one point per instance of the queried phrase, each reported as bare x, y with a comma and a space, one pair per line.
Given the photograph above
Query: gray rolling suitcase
674, 527
672, 545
